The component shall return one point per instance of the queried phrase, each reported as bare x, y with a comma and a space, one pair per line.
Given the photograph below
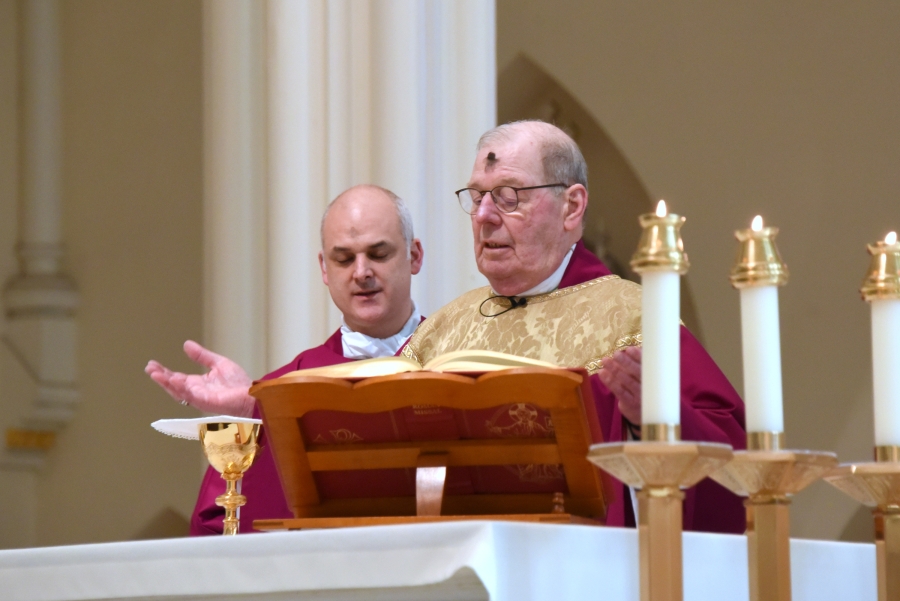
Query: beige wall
728, 109
132, 227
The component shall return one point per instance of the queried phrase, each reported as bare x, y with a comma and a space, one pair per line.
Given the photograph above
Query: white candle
761, 342
660, 358
762, 359
660, 362
886, 366
757, 274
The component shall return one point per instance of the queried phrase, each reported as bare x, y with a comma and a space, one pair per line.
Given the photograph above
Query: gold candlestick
660, 247
758, 260
660, 465
882, 280
230, 449
769, 476
877, 484
660, 470
766, 473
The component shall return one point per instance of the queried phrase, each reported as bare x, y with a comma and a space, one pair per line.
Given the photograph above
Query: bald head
365, 193
561, 158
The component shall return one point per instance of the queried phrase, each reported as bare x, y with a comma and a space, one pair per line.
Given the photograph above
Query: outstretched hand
621, 373
223, 389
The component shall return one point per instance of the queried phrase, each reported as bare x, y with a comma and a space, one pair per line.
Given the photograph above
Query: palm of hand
223, 389
223, 385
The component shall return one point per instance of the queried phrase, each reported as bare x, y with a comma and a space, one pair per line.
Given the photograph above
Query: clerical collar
359, 346
521, 300
551, 283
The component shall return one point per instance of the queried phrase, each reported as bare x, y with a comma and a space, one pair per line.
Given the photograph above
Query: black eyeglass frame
491, 192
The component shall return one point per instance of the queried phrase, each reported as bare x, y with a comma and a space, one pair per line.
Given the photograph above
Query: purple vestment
711, 411
265, 497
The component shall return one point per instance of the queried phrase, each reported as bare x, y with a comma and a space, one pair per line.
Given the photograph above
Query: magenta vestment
711, 410
265, 497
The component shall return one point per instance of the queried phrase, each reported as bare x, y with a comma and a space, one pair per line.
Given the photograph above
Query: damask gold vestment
577, 326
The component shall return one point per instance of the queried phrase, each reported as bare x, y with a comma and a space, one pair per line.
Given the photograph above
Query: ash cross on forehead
490, 160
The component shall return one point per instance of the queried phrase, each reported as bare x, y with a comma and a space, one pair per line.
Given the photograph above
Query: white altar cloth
449, 561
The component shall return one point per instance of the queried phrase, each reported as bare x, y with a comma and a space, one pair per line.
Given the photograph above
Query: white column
298, 176
355, 92
40, 301
234, 204
464, 103
434, 93
40, 218
371, 92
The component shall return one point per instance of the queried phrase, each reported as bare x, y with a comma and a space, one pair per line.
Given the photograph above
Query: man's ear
576, 205
322, 267
416, 255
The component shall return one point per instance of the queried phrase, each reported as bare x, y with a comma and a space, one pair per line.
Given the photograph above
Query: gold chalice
230, 448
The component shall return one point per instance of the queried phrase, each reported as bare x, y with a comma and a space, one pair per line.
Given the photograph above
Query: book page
478, 360
367, 368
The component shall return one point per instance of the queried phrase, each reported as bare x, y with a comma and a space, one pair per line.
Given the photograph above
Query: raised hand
223, 389
621, 373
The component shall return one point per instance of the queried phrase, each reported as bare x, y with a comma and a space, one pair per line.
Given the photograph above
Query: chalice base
660, 470
768, 478
878, 486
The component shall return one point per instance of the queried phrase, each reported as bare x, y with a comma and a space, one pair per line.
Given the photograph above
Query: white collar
359, 346
551, 283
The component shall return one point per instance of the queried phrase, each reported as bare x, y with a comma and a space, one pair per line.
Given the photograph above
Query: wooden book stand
562, 392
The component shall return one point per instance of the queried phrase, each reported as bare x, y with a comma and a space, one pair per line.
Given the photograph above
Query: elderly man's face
365, 265
517, 251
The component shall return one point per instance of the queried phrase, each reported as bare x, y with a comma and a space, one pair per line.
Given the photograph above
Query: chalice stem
231, 500
231, 523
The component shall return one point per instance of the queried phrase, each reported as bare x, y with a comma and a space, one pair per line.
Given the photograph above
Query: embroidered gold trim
410, 354
540, 298
596, 365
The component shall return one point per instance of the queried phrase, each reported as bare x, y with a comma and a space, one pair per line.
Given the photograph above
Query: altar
443, 561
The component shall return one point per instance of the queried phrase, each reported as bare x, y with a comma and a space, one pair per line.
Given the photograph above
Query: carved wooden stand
878, 485
768, 478
660, 470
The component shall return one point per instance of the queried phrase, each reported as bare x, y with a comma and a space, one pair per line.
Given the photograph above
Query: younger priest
368, 258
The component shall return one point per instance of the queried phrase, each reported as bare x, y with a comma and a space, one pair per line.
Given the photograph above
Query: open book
455, 361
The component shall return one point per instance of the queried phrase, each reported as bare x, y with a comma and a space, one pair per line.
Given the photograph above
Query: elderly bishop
550, 298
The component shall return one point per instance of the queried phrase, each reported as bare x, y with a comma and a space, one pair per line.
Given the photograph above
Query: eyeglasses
506, 198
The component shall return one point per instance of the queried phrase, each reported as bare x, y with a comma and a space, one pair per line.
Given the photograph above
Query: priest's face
365, 262
520, 249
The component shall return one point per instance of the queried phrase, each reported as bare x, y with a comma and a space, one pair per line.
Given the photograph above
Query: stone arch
526, 91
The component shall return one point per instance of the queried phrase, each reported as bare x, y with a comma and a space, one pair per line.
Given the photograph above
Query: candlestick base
660, 470
661, 432
877, 485
765, 441
887, 453
768, 478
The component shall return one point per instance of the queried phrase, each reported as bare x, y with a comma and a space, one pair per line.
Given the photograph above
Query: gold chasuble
578, 326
